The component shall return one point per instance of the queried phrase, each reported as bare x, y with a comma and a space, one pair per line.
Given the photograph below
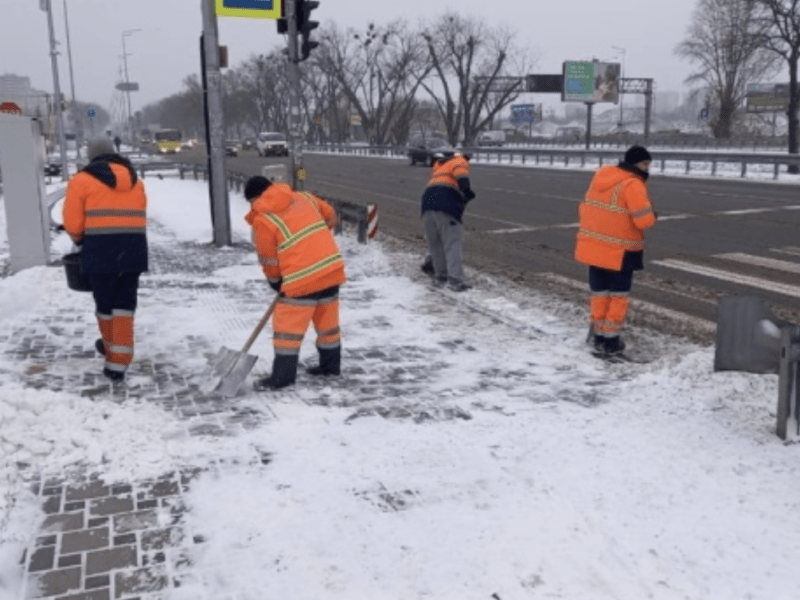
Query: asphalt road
713, 238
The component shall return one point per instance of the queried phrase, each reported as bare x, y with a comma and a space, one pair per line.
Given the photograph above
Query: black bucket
76, 280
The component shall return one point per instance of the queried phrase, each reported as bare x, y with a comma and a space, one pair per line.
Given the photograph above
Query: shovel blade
229, 369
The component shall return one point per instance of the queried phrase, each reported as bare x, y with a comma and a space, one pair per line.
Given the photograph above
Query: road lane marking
756, 282
697, 323
761, 261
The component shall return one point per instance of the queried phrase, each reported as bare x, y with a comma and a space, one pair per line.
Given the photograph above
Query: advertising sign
253, 9
767, 97
589, 81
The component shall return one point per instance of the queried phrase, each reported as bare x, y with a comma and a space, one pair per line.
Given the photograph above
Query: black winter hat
255, 186
637, 154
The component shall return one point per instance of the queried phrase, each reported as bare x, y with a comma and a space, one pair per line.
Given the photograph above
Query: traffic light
305, 25
283, 25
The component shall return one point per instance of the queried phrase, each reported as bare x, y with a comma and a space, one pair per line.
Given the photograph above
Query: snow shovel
230, 368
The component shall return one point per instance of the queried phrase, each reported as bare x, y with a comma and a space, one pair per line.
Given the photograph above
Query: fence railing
347, 212
551, 156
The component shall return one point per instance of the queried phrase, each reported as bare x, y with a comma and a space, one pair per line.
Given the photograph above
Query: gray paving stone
54, 583
63, 522
111, 505
94, 489
140, 581
42, 559
128, 522
88, 539
118, 557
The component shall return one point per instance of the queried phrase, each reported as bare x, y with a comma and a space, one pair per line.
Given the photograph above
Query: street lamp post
622, 75
125, 34
45, 5
76, 122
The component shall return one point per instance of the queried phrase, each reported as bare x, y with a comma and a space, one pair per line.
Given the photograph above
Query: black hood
100, 169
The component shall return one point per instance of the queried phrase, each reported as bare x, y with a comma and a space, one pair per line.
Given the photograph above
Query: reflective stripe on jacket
612, 218
294, 241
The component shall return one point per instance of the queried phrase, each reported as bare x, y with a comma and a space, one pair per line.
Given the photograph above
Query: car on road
231, 148
421, 148
272, 143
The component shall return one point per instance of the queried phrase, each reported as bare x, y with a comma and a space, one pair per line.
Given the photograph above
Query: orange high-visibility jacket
448, 173
105, 209
612, 218
294, 241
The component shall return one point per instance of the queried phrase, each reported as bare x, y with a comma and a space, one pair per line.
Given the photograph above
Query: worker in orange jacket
613, 217
105, 215
443, 203
301, 260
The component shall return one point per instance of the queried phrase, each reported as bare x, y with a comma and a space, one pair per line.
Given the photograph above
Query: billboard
590, 81
253, 9
767, 97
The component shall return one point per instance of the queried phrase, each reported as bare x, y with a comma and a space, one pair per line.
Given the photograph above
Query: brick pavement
128, 541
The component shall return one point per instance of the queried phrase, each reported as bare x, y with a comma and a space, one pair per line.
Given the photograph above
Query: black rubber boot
330, 360
284, 372
427, 266
614, 345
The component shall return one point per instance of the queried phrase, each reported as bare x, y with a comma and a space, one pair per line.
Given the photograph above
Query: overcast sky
166, 49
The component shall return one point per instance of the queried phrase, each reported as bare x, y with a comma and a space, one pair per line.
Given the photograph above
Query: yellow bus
168, 140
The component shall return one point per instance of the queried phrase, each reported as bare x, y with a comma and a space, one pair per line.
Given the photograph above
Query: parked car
231, 148
420, 149
492, 138
272, 143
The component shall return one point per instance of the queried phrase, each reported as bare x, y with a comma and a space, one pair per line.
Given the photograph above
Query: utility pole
215, 129
128, 82
295, 116
621, 77
62, 142
75, 120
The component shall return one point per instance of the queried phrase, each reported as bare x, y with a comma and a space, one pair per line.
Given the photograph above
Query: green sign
589, 81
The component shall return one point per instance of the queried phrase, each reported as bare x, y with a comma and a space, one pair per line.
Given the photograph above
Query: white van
492, 138
271, 143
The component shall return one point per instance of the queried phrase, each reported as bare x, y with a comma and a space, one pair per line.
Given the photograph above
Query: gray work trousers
445, 236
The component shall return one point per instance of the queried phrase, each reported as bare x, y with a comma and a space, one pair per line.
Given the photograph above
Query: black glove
60, 228
275, 286
469, 194
78, 247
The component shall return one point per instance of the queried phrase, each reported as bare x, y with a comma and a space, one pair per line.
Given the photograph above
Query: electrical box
24, 198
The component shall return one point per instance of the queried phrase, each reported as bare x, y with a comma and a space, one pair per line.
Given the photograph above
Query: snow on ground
570, 479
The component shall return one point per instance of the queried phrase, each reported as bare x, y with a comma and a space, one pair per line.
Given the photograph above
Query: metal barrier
551, 155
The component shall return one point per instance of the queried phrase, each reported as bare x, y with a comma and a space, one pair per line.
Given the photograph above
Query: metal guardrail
347, 212
540, 156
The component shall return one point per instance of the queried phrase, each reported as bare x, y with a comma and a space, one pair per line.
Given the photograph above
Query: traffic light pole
295, 114
218, 188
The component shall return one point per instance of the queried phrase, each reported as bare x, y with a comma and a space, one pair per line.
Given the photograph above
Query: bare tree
781, 20
470, 60
379, 72
726, 42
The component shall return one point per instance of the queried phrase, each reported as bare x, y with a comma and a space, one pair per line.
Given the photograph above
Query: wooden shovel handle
260, 325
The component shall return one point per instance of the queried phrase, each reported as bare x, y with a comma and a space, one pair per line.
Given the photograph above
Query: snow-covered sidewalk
472, 448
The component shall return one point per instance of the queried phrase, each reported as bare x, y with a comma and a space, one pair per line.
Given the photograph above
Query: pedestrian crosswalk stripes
748, 280
761, 261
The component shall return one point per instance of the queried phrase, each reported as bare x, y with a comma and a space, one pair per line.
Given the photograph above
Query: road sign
545, 83
704, 114
11, 108
526, 113
301, 174
250, 9
91, 113
127, 87
590, 81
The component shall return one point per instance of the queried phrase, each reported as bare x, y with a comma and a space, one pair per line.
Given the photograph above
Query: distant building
17, 89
